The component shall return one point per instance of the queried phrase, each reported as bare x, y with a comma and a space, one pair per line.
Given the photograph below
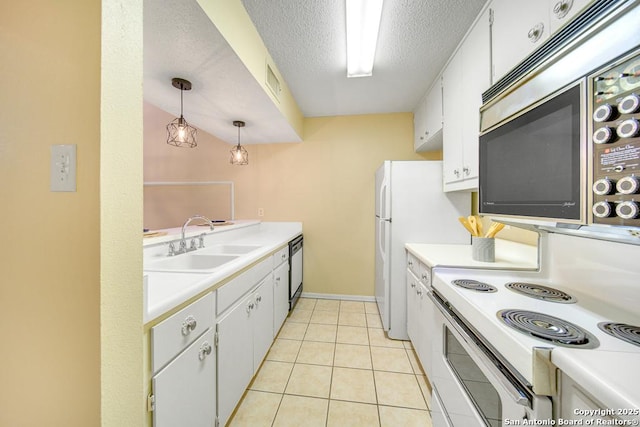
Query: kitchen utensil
494, 229
465, 223
473, 222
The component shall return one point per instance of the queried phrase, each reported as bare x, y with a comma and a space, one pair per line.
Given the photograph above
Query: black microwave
533, 163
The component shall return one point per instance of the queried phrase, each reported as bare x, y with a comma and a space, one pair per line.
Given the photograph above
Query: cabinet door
451, 127
420, 124
185, 390
235, 356
262, 320
280, 296
413, 325
428, 120
475, 79
519, 27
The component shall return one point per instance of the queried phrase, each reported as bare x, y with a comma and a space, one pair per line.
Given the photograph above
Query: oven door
470, 384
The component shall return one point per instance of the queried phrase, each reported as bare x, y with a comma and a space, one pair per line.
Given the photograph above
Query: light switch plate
63, 167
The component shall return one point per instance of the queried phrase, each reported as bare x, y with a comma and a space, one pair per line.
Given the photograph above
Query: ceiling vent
273, 83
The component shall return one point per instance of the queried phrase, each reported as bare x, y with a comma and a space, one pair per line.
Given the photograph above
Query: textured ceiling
307, 41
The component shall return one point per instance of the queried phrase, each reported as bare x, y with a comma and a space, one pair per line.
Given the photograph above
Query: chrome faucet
183, 242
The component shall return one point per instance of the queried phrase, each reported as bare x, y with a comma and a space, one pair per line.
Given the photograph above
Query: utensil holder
483, 249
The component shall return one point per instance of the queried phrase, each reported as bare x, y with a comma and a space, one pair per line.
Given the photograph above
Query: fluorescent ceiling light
363, 23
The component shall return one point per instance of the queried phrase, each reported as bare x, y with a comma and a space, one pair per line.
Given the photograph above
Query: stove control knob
604, 135
628, 185
629, 104
628, 210
604, 113
602, 209
604, 186
628, 128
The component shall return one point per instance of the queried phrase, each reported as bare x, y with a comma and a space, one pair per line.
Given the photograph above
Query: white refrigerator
410, 208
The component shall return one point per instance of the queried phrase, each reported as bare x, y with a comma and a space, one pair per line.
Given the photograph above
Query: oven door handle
515, 394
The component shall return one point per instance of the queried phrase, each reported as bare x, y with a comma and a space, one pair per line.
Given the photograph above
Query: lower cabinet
420, 312
185, 390
183, 366
201, 365
245, 333
280, 295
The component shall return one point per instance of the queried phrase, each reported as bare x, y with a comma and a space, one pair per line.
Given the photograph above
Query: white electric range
488, 371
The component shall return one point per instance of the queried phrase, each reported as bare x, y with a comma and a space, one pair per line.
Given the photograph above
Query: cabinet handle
419, 292
278, 279
562, 8
535, 33
189, 325
466, 170
456, 172
250, 307
413, 285
205, 350
258, 298
283, 256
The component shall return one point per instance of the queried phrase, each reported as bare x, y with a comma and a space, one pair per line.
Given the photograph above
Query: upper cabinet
467, 75
521, 26
427, 120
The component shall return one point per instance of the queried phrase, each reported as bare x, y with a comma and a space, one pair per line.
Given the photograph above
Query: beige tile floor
332, 365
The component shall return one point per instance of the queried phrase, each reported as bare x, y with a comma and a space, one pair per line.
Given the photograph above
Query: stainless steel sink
229, 249
190, 263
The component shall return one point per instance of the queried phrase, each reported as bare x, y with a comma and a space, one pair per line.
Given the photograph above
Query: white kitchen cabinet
184, 367
427, 120
420, 311
521, 26
245, 333
262, 321
467, 75
576, 404
280, 292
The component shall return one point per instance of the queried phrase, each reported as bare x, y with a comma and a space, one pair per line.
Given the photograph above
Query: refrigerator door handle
383, 200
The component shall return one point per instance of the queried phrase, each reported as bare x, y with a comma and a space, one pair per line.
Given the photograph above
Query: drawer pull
205, 350
189, 325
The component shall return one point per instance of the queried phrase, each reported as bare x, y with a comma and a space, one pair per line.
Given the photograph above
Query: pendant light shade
239, 155
179, 132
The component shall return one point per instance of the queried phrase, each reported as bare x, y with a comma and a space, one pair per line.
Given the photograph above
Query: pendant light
179, 132
239, 155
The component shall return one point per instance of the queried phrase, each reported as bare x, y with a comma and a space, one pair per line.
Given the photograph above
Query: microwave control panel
615, 139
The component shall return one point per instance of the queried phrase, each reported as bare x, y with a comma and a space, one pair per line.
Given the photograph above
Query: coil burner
628, 333
548, 328
474, 285
541, 292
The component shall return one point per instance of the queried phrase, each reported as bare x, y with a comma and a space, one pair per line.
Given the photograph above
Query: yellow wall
327, 182
122, 350
60, 296
50, 251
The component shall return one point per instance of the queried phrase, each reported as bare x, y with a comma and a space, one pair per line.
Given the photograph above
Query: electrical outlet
260, 211
63, 167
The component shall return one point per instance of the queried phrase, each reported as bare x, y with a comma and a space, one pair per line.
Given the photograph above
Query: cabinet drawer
424, 274
170, 336
413, 264
233, 290
280, 256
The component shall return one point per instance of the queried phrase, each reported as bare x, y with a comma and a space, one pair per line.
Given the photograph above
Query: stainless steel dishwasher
295, 271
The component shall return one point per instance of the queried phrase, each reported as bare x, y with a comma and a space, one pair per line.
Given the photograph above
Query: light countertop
167, 290
508, 255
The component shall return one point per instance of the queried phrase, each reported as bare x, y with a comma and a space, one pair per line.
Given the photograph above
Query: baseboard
338, 296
